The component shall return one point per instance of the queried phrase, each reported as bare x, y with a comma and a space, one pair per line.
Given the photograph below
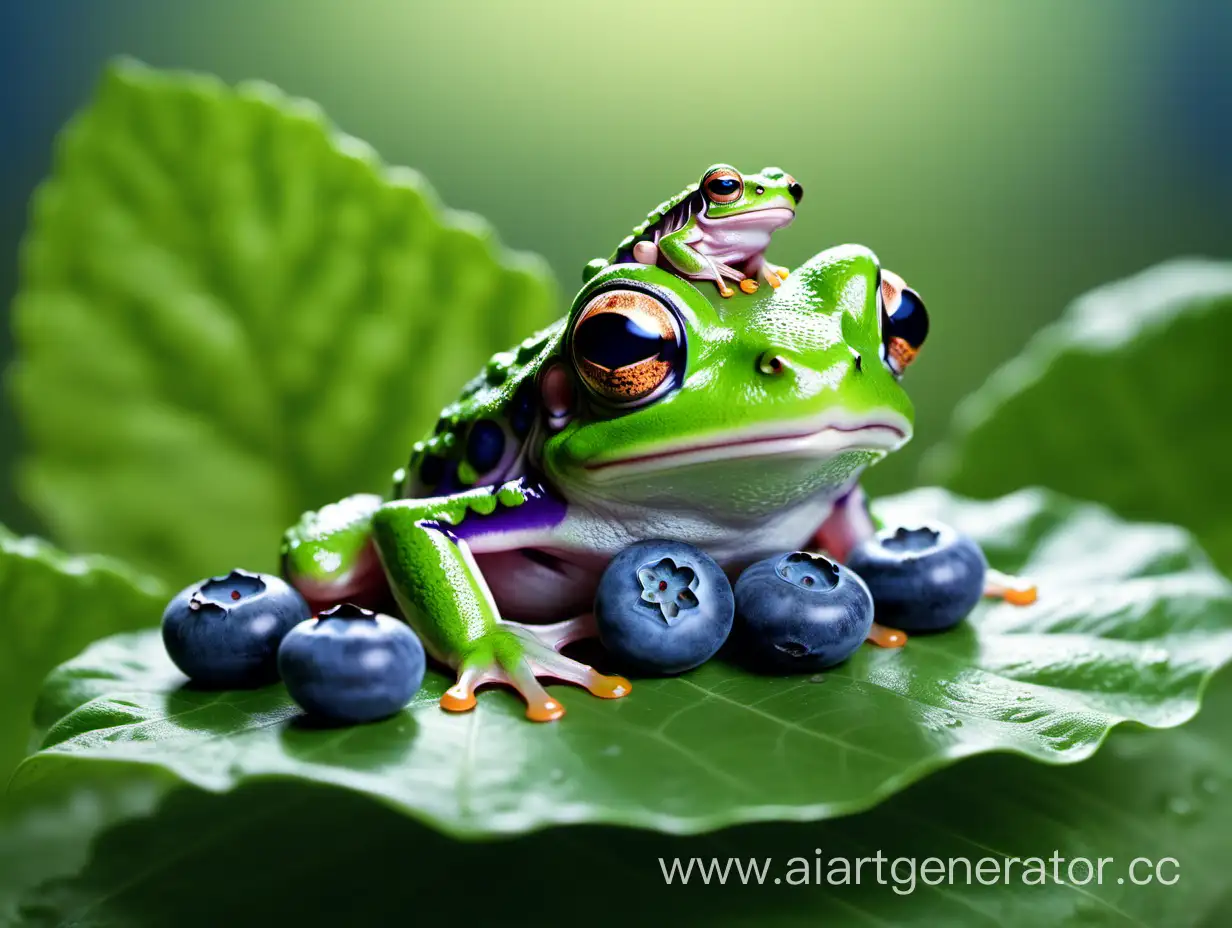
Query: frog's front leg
679, 252
444, 596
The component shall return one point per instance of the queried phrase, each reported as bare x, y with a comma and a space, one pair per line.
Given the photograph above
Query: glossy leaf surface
1131, 621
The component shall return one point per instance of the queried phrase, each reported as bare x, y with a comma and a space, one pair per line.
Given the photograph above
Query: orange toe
886, 637
456, 700
549, 710
1023, 596
612, 687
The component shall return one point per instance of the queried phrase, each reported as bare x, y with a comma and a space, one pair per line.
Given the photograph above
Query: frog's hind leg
328, 556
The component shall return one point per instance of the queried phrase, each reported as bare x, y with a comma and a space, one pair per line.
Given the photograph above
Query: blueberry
922, 579
225, 631
351, 665
663, 607
800, 612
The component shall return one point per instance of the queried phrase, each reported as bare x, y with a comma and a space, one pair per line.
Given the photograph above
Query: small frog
650, 411
715, 229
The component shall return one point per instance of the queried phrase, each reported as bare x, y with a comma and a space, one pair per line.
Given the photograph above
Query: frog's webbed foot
520, 656
1017, 591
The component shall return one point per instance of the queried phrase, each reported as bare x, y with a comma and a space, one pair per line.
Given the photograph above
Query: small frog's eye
723, 185
627, 347
904, 323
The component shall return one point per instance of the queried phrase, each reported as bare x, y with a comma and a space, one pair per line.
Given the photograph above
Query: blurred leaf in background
52, 606
1003, 157
231, 314
1127, 401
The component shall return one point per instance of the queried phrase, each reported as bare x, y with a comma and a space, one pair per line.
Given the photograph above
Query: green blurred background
1003, 158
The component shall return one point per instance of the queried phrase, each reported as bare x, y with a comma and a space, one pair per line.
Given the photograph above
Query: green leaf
230, 313
52, 606
290, 853
1131, 622
1121, 402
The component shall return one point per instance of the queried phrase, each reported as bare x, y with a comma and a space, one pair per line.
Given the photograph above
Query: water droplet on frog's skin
953, 722
1023, 697
817, 678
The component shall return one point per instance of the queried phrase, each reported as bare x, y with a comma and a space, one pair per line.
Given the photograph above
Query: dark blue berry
922, 579
800, 612
663, 607
225, 631
352, 665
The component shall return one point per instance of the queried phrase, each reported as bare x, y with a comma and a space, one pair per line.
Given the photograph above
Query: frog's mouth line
772, 216
824, 442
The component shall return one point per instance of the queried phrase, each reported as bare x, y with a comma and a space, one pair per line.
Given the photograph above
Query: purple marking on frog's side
542, 510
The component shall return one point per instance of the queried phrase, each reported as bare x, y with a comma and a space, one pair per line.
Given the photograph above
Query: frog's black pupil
910, 320
614, 340
724, 185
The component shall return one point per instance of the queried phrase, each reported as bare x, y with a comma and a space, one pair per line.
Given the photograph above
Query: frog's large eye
723, 185
627, 346
904, 322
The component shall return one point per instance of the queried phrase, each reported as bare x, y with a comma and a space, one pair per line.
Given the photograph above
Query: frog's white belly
735, 239
555, 577
735, 246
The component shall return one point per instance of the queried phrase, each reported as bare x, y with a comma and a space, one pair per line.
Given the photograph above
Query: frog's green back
653, 218
503, 394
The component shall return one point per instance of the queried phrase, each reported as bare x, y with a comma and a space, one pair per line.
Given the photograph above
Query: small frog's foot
749, 285
646, 253
886, 637
1016, 591
774, 274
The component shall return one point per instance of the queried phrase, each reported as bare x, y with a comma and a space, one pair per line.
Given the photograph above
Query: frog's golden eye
627, 346
723, 185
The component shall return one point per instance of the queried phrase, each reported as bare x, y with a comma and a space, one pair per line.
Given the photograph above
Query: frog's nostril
770, 364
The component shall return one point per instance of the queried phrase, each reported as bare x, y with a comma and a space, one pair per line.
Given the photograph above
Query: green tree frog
651, 411
716, 229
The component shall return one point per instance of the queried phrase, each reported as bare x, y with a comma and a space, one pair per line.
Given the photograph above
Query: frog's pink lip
871, 436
